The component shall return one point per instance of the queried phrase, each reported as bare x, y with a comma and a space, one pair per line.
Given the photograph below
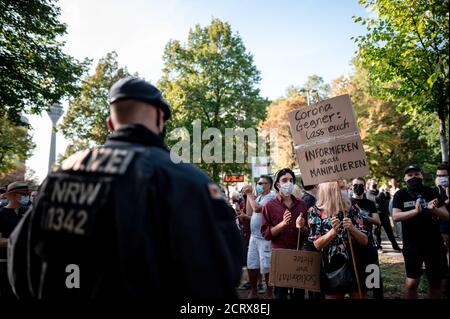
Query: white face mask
286, 188
443, 181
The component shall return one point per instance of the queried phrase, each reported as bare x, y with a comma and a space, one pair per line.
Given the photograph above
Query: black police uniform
132, 223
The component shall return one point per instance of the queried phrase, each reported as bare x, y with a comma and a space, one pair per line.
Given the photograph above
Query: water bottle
422, 201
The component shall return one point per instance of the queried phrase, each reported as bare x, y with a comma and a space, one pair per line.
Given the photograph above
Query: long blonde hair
329, 197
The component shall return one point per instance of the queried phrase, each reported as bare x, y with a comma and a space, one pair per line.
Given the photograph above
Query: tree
406, 55
20, 172
34, 70
314, 89
85, 121
212, 79
390, 142
277, 118
15, 145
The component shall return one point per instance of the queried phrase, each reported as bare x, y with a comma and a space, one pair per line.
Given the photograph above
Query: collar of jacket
139, 134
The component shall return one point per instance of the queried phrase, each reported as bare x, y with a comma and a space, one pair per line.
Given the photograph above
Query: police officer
124, 220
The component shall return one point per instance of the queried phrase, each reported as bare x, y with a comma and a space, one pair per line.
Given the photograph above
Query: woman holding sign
329, 227
278, 225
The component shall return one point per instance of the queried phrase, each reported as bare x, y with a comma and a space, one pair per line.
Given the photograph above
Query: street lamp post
308, 95
55, 112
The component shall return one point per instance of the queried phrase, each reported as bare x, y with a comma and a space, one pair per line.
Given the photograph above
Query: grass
393, 274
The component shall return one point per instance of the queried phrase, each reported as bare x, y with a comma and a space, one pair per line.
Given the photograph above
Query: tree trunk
442, 132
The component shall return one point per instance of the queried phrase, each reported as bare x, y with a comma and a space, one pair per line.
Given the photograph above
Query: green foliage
34, 70
85, 122
391, 139
314, 87
405, 53
15, 145
212, 78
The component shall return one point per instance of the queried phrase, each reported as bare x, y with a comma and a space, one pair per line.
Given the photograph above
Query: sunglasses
262, 183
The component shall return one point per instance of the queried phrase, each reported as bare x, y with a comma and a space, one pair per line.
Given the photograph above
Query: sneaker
245, 286
261, 288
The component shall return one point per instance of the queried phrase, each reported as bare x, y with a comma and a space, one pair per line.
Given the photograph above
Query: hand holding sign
300, 222
335, 223
348, 225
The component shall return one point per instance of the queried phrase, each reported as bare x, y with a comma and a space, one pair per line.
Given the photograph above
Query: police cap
138, 89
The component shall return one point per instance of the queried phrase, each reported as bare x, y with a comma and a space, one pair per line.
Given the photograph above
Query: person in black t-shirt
309, 194
368, 212
419, 207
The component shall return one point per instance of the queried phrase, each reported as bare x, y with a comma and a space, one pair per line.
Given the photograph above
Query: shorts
258, 256
435, 260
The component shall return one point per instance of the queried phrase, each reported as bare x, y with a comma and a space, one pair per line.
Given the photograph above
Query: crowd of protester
333, 216
342, 221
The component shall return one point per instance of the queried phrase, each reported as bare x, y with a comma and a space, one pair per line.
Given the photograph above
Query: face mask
24, 200
286, 188
443, 181
358, 189
414, 184
259, 189
4, 202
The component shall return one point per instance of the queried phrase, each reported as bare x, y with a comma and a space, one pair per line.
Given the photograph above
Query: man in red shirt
279, 217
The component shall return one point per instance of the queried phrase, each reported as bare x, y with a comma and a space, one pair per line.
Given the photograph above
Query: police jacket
125, 220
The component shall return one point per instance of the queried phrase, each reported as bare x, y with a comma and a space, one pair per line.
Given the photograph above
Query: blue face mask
24, 200
4, 202
259, 189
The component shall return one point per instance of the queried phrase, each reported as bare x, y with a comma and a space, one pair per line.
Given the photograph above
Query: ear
160, 115
110, 124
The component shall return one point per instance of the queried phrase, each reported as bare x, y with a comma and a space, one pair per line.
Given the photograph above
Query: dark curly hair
280, 173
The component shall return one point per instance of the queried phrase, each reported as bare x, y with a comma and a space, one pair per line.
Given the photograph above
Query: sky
289, 41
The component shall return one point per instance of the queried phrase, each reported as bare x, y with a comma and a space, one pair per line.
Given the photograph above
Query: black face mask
358, 189
415, 184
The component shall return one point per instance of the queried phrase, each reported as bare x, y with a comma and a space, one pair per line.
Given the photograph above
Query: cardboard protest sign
330, 161
260, 166
295, 269
324, 119
328, 145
